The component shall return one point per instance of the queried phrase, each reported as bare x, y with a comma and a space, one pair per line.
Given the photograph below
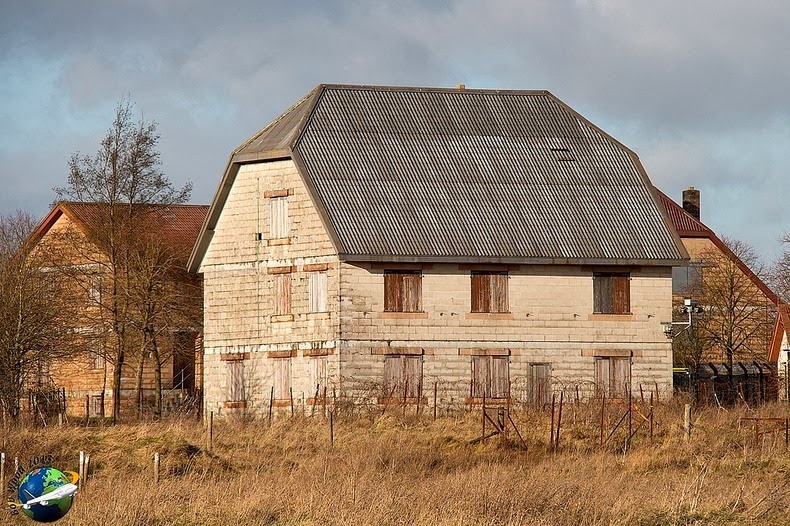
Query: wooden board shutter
480, 376
318, 375
499, 293
481, 292
412, 375
317, 291
500, 379
620, 377
282, 378
393, 296
602, 376
282, 293
540, 383
412, 292
621, 294
602, 293
235, 380
279, 217
393, 372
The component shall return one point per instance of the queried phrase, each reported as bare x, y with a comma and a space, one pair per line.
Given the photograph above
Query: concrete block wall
239, 270
550, 321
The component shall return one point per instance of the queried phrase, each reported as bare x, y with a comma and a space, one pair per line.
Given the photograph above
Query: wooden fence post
271, 403
87, 467
210, 432
687, 421
156, 468
434, 400
559, 423
603, 414
81, 470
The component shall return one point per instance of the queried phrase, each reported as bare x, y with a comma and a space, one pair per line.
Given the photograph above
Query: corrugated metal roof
427, 174
422, 174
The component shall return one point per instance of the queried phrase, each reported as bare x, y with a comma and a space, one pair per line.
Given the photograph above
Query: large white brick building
377, 241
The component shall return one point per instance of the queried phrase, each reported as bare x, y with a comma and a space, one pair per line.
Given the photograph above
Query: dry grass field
396, 469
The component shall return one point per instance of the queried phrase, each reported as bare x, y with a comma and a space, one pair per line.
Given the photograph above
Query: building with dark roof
377, 240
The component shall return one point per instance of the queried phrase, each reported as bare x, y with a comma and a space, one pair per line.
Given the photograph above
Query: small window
282, 293
612, 293
97, 360
490, 377
234, 370
613, 376
317, 291
403, 291
489, 292
688, 280
403, 376
282, 378
540, 384
279, 217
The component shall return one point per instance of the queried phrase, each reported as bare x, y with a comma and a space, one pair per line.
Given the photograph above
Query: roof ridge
277, 120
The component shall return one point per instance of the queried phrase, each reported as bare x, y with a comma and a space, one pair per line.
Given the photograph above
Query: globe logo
45, 494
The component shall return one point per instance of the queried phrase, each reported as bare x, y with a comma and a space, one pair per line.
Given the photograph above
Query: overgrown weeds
394, 470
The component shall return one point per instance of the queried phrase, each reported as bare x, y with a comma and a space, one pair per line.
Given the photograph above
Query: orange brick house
757, 305
66, 243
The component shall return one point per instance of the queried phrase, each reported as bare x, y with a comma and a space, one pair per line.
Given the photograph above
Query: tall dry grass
387, 469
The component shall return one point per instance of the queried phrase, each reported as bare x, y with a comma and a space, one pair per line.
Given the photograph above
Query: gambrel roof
424, 174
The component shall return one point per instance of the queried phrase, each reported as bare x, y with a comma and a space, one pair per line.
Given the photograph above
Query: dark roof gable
425, 174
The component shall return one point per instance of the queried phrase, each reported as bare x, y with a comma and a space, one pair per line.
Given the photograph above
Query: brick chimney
691, 201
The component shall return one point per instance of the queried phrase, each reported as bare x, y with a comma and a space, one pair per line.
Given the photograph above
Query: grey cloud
685, 84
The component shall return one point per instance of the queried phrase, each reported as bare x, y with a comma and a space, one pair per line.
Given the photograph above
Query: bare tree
125, 176
33, 312
780, 273
166, 301
738, 316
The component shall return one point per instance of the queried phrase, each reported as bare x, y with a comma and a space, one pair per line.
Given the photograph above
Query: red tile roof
686, 224
178, 225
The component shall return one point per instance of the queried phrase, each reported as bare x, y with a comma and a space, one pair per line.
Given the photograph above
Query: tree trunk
138, 387
157, 379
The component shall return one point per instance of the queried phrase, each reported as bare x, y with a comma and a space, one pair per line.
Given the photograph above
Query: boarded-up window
319, 376
235, 380
282, 378
282, 293
612, 293
489, 292
490, 377
96, 406
403, 291
613, 376
279, 217
317, 291
403, 374
540, 384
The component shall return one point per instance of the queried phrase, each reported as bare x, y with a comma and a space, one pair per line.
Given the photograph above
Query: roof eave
379, 258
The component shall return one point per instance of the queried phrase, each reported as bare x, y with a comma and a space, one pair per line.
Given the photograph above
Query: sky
699, 90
